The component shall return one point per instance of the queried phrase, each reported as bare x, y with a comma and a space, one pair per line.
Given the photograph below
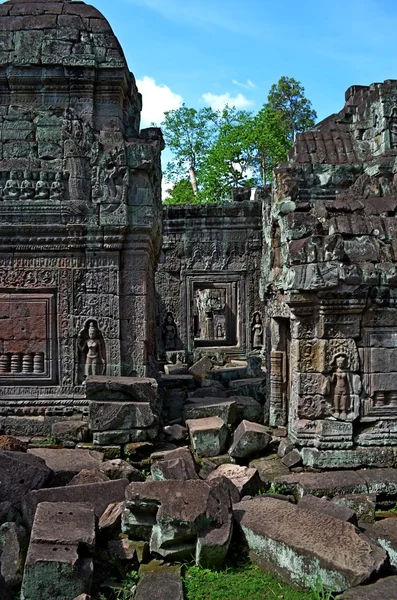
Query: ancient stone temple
330, 278
80, 209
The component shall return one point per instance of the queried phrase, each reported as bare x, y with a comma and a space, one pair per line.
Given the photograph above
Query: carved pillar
278, 409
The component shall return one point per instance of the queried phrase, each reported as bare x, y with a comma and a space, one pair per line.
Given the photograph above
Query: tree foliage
288, 97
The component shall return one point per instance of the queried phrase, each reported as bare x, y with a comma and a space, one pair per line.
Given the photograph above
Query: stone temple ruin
127, 327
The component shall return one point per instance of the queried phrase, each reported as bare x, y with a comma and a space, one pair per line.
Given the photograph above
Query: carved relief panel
380, 373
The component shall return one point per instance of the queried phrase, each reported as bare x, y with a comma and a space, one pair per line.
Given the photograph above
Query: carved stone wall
329, 270
208, 279
80, 208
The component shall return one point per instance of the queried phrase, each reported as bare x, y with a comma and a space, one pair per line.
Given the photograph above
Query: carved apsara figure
340, 387
11, 188
92, 348
27, 187
169, 332
257, 331
42, 187
57, 190
219, 331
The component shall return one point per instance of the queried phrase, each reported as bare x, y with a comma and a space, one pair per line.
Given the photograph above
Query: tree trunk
193, 180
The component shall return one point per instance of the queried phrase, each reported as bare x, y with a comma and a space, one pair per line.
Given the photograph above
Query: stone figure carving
11, 188
92, 348
393, 129
257, 331
340, 387
57, 190
27, 187
169, 332
219, 331
42, 187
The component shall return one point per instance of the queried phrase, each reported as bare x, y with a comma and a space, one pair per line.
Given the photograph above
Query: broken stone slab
12, 444
207, 392
284, 447
201, 368
175, 515
332, 483
59, 563
88, 476
130, 389
21, 472
348, 459
109, 452
223, 408
385, 534
129, 550
302, 545
178, 369
269, 468
249, 439
254, 387
246, 480
100, 495
75, 431
173, 382
159, 582
66, 463
292, 459
111, 518
208, 436
116, 416
177, 464
382, 482
14, 542
227, 375
111, 437
326, 507
383, 589
120, 469
175, 433
247, 409
364, 505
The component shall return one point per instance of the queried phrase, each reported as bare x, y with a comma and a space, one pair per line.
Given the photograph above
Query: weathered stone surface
88, 476
159, 582
5, 593
120, 469
175, 433
66, 463
100, 495
13, 547
20, 473
64, 523
225, 409
384, 589
300, 545
347, 459
115, 415
333, 483
178, 518
292, 459
254, 387
284, 447
111, 518
246, 479
201, 368
131, 389
170, 382
208, 436
248, 408
328, 508
364, 505
10, 443
385, 533
269, 468
177, 464
249, 440
76, 431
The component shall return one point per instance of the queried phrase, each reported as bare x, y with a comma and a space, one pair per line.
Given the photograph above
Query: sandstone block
292, 459
14, 542
20, 473
112, 416
201, 368
111, 518
246, 480
284, 447
248, 409
269, 468
326, 507
129, 550
120, 469
364, 505
385, 533
225, 409
208, 436
177, 464
175, 433
130, 389
66, 463
249, 439
159, 582
330, 484
384, 589
12, 444
88, 476
299, 544
75, 431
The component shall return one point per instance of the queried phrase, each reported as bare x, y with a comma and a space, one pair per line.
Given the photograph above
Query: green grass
242, 583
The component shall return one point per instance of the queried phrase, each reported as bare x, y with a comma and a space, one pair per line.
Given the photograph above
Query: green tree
288, 97
182, 193
189, 134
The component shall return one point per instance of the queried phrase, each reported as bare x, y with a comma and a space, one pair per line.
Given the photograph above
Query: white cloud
155, 100
218, 102
248, 85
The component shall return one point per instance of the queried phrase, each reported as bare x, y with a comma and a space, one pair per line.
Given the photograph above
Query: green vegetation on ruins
215, 151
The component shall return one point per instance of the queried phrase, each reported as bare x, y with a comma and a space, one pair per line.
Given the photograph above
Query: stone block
75, 431
129, 550
14, 542
384, 532
223, 408
249, 440
269, 468
66, 463
20, 473
299, 544
120, 469
111, 518
208, 436
175, 433
383, 589
112, 437
248, 409
364, 505
246, 479
292, 459
177, 464
99, 495
284, 447
130, 389
329, 508
64, 523
347, 459
88, 476
201, 368
170, 382
254, 387
113, 416
159, 582
332, 483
